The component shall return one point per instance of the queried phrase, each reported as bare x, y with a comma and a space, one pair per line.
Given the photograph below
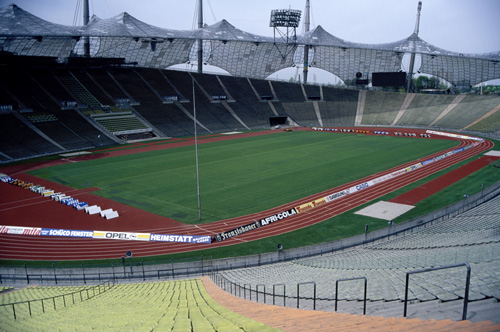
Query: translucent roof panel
225, 31
460, 70
125, 25
239, 52
39, 46
15, 21
253, 60
346, 62
146, 52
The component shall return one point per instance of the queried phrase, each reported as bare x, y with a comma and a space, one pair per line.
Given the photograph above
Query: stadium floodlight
288, 19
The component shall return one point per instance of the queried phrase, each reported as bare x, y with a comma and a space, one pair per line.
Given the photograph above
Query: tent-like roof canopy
236, 51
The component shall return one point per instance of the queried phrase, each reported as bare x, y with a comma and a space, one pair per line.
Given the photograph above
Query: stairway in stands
121, 122
83, 96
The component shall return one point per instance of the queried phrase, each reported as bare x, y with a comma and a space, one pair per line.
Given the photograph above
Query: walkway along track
59, 248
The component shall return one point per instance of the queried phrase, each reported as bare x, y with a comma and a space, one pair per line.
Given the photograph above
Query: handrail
53, 298
467, 283
239, 290
257, 292
245, 291
314, 293
217, 276
231, 289
349, 279
284, 293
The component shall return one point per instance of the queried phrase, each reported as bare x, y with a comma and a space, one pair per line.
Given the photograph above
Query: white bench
92, 209
110, 215
48, 192
59, 198
81, 205
104, 212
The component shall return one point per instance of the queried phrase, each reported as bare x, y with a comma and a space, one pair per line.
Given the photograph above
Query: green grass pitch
240, 176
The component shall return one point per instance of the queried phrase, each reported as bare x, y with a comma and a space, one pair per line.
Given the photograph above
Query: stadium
210, 196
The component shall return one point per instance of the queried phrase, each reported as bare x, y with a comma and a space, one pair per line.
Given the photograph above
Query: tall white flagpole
200, 41
196, 152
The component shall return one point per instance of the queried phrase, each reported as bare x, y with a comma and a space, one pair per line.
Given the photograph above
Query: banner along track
60, 248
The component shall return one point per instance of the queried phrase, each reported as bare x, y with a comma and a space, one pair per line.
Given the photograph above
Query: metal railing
84, 294
284, 293
351, 279
227, 285
125, 271
314, 293
467, 284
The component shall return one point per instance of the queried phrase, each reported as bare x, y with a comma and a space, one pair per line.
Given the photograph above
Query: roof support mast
86, 40
200, 41
307, 25
412, 58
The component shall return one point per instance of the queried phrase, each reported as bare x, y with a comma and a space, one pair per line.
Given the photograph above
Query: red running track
422, 192
24, 208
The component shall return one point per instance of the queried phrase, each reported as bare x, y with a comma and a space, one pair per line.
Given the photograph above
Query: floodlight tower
412, 57
288, 19
307, 24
